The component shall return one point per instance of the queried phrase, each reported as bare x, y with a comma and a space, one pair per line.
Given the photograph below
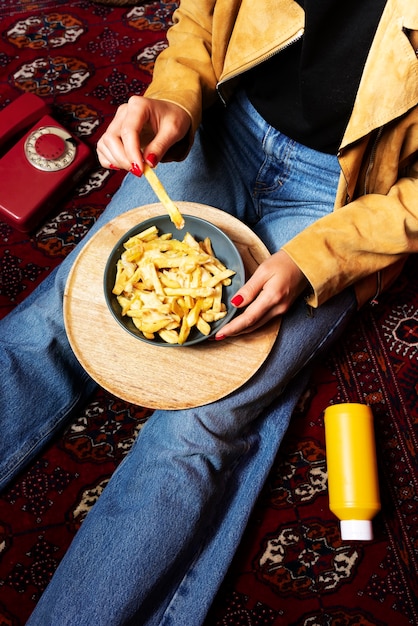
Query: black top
307, 90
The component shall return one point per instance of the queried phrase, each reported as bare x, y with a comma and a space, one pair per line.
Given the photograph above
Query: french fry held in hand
159, 190
169, 287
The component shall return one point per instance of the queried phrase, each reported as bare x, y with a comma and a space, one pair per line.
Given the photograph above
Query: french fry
159, 190
169, 336
167, 287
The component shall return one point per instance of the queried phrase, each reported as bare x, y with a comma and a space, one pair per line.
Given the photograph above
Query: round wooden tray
155, 376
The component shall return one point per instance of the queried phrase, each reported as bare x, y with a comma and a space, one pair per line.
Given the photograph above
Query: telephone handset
39, 162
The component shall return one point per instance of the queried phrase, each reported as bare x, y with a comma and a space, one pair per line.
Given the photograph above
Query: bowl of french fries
172, 287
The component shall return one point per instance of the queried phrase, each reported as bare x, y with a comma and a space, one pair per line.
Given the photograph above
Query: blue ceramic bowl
223, 248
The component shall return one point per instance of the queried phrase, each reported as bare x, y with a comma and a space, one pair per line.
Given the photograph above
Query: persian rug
292, 568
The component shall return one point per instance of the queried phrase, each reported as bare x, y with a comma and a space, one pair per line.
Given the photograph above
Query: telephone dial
39, 162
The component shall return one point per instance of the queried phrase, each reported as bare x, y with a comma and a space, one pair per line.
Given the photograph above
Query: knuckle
133, 101
124, 132
249, 319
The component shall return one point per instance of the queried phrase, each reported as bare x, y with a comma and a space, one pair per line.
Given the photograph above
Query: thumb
172, 129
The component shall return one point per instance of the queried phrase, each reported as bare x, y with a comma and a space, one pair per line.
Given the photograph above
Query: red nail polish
135, 169
219, 337
152, 159
237, 300
113, 167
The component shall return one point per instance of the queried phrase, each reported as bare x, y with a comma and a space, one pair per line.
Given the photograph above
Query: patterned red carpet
84, 59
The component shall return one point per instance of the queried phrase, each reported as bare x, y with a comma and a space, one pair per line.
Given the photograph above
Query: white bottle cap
356, 530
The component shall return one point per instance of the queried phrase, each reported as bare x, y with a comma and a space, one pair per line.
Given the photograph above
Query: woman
312, 142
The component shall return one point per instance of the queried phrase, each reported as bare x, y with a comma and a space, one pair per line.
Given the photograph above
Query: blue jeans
157, 544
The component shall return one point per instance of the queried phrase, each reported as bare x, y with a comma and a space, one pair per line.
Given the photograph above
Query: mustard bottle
353, 486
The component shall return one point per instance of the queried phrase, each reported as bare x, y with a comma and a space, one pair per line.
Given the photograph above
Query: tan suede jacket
374, 226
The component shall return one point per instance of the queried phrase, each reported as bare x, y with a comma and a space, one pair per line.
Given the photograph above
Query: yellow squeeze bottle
353, 486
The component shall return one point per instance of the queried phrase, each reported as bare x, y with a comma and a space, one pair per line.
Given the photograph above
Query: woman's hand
142, 129
270, 292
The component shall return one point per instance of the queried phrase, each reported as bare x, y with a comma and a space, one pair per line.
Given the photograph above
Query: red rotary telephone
39, 162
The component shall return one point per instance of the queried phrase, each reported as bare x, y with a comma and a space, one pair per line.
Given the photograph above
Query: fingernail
237, 300
219, 337
152, 159
135, 169
113, 167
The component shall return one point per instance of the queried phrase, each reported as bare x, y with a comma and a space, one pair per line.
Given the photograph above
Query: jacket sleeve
367, 235
183, 72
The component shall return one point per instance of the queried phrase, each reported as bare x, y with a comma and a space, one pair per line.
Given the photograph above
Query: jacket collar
278, 24
389, 85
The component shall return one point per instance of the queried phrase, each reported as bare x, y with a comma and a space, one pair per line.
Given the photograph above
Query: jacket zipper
220, 85
371, 160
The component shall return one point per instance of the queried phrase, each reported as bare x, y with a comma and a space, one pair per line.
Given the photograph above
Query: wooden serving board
158, 376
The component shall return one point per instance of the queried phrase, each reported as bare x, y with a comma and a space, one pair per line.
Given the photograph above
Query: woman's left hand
270, 292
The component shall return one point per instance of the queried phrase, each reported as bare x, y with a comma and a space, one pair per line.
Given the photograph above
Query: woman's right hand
142, 129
